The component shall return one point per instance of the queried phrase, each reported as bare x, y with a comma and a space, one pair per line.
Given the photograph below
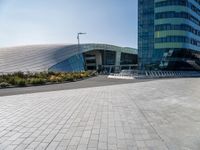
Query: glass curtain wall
145, 33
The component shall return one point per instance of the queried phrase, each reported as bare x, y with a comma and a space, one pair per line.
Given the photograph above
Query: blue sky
25, 22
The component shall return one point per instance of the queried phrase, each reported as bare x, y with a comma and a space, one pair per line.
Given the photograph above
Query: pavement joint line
61, 128
141, 111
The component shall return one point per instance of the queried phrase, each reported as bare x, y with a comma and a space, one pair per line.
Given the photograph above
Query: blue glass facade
169, 34
93, 57
145, 32
72, 64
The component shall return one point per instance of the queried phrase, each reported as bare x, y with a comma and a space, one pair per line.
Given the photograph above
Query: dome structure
64, 58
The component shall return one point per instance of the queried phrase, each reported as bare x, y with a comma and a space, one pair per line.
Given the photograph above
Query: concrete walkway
100, 80
154, 115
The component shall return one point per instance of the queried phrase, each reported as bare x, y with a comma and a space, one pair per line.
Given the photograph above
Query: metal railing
110, 69
169, 74
136, 74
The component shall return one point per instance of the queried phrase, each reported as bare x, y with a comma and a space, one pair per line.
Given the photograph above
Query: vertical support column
117, 61
98, 59
129, 68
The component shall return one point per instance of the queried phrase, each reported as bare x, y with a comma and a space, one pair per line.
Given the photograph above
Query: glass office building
169, 34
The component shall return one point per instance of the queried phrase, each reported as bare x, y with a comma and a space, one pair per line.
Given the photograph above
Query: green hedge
23, 79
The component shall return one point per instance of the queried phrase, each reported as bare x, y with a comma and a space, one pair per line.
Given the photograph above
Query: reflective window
128, 59
72, 64
183, 27
145, 32
108, 57
172, 14
178, 2
181, 39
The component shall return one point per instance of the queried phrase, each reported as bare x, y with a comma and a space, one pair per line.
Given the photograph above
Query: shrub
19, 74
12, 80
4, 84
68, 77
85, 74
2, 79
39, 78
76, 75
41, 75
20, 82
63, 75
51, 73
37, 81
54, 78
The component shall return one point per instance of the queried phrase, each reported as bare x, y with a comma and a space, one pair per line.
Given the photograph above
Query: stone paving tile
156, 115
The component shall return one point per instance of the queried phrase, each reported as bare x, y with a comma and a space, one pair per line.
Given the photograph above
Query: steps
193, 64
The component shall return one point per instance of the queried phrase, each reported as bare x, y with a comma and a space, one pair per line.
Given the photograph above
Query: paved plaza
153, 115
100, 80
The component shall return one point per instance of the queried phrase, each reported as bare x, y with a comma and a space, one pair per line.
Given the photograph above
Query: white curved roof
42, 57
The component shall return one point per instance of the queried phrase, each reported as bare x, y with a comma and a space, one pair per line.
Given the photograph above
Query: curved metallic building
169, 34
66, 58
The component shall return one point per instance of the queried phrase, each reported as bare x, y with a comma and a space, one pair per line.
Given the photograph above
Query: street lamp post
78, 38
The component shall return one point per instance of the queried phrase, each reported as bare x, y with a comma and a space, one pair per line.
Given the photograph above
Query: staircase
166, 55
193, 64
